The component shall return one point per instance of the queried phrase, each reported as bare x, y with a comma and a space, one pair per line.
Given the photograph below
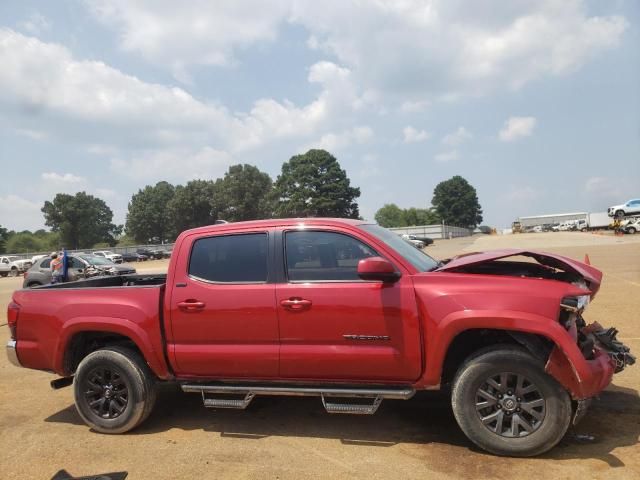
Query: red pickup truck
340, 309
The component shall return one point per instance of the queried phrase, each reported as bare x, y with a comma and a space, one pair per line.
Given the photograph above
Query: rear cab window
235, 258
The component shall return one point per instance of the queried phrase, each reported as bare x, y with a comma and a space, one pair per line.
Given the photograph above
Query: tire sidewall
133, 379
475, 372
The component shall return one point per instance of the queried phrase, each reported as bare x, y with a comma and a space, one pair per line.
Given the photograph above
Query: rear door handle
191, 306
296, 304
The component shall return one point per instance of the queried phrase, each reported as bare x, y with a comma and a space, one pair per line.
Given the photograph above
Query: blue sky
536, 103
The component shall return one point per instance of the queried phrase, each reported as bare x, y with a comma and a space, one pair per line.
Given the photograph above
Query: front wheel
631, 230
114, 390
620, 213
506, 404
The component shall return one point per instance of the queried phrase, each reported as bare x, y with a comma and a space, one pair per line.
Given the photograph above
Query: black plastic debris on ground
64, 475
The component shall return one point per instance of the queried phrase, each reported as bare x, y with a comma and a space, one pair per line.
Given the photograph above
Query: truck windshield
420, 260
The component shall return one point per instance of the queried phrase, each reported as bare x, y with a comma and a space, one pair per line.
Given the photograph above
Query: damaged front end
593, 337
603, 353
583, 362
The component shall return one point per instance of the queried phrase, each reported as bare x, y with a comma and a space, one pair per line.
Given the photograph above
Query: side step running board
354, 409
228, 403
375, 395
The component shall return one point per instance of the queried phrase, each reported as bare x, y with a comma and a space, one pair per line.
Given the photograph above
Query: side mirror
377, 268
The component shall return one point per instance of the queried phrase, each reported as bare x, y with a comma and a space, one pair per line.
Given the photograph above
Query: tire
34, 284
13, 272
631, 230
619, 213
129, 401
549, 400
4, 274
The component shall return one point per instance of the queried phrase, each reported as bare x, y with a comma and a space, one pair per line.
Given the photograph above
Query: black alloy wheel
106, 392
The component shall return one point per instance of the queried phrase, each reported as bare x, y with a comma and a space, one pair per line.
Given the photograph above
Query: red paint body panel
48, 320
296, 331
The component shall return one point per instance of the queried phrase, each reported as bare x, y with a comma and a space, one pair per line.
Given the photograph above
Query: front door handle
296, 304
191, 306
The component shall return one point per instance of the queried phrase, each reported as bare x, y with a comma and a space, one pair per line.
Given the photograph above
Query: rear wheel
506, 404
631, 230
114, 390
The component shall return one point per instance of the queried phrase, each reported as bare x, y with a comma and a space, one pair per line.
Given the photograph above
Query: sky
535, 103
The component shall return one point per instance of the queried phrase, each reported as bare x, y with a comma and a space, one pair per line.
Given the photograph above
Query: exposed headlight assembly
575, 304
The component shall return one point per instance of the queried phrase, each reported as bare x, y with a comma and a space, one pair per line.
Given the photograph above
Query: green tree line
454, 202
309, 185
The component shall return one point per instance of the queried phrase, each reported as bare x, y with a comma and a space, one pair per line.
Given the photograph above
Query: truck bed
51, 316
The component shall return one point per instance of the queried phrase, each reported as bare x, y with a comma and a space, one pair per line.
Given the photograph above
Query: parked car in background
80, 267
35, 258
114, 257
629, 208
419, 244
426, 240
631, 226
134, 257
13, 266
156, 254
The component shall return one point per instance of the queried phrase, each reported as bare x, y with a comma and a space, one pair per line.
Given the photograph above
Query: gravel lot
294, 437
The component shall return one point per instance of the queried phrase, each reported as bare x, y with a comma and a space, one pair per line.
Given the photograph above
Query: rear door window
46, 263
230, 258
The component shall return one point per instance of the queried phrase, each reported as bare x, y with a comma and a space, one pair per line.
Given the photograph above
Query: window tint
230, 258
313, 256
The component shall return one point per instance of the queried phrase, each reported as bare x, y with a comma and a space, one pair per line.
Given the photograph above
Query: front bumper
12, 353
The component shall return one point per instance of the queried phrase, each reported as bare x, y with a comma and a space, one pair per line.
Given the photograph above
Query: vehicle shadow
613, 421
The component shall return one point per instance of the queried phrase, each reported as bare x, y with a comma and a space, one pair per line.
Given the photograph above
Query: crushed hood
590, 274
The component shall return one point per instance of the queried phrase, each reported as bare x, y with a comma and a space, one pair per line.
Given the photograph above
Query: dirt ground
294, 438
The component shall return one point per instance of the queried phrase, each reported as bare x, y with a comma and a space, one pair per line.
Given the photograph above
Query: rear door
335, 326
222, 307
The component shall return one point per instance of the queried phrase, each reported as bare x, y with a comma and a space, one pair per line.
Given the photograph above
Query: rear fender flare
120, 326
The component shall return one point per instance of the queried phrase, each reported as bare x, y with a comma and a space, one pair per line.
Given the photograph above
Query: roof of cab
280, 222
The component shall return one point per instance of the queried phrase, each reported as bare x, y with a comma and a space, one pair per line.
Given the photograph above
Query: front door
335, 326
223, 318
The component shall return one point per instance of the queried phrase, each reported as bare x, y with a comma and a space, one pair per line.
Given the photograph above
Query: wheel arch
472, 340
84, 336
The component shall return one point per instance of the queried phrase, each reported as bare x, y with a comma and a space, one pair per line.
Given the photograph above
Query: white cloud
517, 127
446, 47
35, 24
78, 95
173, 165
413, 135
456, 138
64, 178
18, 213
445, 157
338, 141
200, 32
438, 49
